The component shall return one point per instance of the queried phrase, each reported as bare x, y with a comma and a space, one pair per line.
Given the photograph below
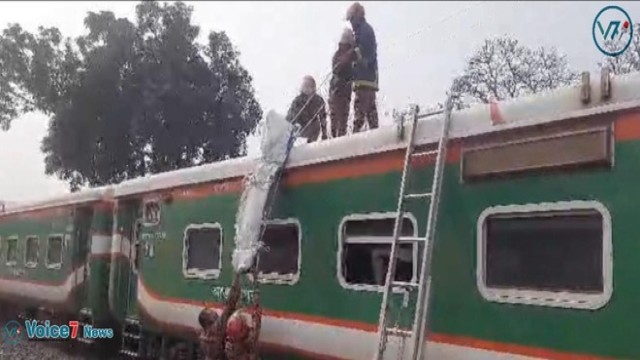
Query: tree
629, 60
129, 98
503, 68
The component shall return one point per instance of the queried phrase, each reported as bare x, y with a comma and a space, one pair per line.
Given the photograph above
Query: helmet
355, 10
239, 325
347, 37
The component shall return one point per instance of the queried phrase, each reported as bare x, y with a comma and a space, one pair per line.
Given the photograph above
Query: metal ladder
131, 338
417, 333
85, 318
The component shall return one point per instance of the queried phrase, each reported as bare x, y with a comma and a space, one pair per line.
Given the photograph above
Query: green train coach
535, 253
55, 256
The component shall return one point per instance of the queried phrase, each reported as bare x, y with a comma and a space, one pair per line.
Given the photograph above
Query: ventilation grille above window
566, 150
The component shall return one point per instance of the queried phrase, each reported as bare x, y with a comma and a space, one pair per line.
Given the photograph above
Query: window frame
374, 240
197, 273
29, 264
55, 266
17, 240
279, 279
564, 299
144, 211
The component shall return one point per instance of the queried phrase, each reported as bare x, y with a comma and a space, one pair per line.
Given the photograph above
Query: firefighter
213, 323
341, 83
243, 331
308, 110
365, 70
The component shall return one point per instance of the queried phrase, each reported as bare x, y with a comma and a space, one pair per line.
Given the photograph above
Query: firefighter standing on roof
341, 84
308, 110
365, 81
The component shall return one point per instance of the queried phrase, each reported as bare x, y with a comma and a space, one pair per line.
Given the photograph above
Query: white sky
421, 46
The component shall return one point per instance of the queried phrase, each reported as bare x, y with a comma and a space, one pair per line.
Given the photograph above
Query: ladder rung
424, 153
418, 195
405, 284
431, 113
85, 311
129, 353
411, 239
132, 321
399, 332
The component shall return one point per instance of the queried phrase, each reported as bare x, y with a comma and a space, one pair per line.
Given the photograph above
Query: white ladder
417, 333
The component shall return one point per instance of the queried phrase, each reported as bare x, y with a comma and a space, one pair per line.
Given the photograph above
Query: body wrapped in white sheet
277, 138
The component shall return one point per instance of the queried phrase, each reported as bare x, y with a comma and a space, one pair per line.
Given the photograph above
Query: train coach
54, 258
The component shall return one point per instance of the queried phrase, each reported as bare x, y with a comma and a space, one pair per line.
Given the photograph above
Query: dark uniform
365, 77
212, 335
246, 348
312, 118
340, 89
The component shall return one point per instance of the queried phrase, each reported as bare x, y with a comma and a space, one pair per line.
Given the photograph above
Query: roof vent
585, 88
605, 83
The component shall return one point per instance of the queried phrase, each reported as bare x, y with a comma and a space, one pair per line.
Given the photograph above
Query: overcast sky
421, 47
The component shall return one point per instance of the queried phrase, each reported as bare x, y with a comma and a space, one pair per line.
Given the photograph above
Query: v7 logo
612, 24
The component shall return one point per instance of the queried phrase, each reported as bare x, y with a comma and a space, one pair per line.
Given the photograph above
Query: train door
81, 245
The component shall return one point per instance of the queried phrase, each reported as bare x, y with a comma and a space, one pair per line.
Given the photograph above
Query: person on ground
212, 336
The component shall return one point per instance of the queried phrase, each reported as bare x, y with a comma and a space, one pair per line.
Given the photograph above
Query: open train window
202, 253
363, 256
552, 254
280, 259
12, 251
32, 253
54, 252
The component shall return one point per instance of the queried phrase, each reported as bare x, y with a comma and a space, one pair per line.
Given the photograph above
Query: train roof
550, 106
83, 196
547, 107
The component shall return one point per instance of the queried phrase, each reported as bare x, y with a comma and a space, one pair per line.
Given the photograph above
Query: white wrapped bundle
274, 148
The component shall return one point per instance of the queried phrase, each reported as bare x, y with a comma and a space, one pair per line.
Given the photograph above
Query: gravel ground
35, 350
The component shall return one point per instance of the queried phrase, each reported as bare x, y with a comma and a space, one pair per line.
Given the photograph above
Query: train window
366, 247
12, 251
54, 252
202, 254
32, 253
279, 262
151, 212
554, 254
